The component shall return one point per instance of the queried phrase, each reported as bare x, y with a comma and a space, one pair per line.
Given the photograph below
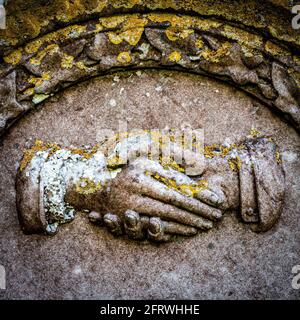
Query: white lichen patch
158, 88
144, 48
61, 170
113, 103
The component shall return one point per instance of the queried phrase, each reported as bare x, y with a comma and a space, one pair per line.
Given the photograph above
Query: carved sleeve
261, 185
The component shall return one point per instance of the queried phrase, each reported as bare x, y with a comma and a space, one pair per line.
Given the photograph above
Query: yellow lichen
50, 50
114, 38
87, 186
242, 37
235, 163
14, 58
112, 22
174, 56
80, 65
69, 9
115, 161
216, 55
135, 21
34, 46
38, 81
85, 153
174, 19
67, 61
124, 57
278, 157
98, 27
39, 145
73, 32
125, 4
131, 30
191, 190
29, 91
171, 164
174, 34
214, 150
254, 133
183, 22
131, 36
205, 24
46, 76
199, 43
210, 151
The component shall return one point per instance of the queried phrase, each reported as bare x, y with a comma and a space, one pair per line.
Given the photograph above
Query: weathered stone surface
85, 261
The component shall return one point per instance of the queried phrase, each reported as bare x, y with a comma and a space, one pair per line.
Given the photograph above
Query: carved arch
267, 68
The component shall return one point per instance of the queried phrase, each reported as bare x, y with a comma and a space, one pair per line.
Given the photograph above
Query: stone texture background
84, 261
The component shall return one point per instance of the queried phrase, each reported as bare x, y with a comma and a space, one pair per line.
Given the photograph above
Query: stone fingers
139, 227
113, 223
156, 231
154, 208
179, 229
157, 190
211, 198
134, 225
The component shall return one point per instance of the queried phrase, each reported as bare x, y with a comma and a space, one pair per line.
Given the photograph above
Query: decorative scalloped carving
262, 68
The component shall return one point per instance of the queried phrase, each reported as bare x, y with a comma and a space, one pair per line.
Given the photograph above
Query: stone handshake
146, 198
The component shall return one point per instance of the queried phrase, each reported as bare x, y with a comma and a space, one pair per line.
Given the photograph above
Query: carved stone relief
233, 200
148, 198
